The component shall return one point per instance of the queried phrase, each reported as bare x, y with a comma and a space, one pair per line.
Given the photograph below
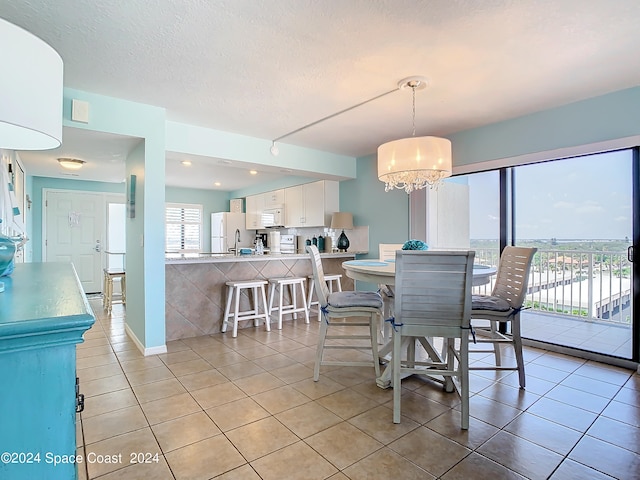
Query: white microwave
273, 217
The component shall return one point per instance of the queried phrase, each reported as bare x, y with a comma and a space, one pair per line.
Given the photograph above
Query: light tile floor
247, 408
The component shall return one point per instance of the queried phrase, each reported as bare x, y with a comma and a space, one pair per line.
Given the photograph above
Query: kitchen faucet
235, 242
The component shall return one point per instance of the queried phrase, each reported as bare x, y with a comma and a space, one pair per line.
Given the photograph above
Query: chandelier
415, 162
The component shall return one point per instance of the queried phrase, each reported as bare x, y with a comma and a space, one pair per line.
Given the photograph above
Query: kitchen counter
181, 259
195, 292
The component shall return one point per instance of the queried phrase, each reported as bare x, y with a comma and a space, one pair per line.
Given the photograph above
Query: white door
74, 231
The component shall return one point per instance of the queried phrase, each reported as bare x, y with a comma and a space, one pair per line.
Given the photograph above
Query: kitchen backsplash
358, 237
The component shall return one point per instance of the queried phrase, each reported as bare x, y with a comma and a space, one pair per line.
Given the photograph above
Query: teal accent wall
386, 213
599, 119
36, 185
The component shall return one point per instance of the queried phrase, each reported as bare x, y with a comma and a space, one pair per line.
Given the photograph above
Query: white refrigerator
223, 230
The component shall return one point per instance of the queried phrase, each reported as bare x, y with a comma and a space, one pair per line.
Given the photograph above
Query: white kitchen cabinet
294, 207
274, 199
254, 207
311, 204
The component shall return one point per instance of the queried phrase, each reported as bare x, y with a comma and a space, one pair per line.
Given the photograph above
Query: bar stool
280, 283
111, 274
114, 270
234, 290
330, 278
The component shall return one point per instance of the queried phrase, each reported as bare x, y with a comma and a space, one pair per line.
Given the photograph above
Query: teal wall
599, 119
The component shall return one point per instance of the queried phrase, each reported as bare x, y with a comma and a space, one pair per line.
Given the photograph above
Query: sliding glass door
579, 214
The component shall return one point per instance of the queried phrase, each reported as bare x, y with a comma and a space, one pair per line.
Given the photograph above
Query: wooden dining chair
433, 299
503, 306
355, 310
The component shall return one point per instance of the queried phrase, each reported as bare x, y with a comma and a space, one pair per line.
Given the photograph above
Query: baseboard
145, 351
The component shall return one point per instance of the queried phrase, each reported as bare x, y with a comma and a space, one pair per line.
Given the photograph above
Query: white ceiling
266, 68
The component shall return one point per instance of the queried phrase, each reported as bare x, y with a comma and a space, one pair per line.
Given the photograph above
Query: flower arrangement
415, 245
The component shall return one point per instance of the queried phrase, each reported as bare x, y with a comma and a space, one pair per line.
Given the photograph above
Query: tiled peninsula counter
196, 290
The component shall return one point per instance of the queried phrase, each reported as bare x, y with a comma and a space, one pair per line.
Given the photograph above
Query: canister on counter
321, 243
328, 244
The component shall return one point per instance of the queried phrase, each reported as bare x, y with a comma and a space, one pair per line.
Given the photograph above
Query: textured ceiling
266, 68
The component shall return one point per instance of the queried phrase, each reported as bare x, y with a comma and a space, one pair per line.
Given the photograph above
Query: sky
580, 198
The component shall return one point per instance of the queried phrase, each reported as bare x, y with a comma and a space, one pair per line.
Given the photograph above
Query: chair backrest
387, 251
433, 288
513, 275
322, 291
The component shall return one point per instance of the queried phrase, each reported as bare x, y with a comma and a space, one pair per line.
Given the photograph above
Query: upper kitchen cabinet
274, 199
311, 204
254, 207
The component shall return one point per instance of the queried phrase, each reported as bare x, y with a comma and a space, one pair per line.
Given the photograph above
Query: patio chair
504, 306
433, 299
367, 306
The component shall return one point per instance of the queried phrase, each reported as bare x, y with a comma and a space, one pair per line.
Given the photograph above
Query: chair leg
397, 386
303, 296
236, 312
496, 346
517, 346
320, 349
281, 298
373, 328
256, 304
463, 368
449, 345
227, 309
123, 288
272, 292
267, 318
294, 299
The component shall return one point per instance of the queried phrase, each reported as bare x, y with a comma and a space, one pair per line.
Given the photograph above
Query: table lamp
342, 221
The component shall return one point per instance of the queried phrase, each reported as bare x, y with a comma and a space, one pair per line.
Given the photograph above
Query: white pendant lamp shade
413, 163
30, 91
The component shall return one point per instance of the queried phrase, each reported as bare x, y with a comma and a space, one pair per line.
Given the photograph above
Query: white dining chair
504, 306
387, 251
347, 311
433, 299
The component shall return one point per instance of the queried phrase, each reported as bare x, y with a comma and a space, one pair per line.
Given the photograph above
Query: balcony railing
595, 286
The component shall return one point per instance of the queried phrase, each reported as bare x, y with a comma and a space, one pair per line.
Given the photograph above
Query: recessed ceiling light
253, 172
217, 184
71, 163
186, 163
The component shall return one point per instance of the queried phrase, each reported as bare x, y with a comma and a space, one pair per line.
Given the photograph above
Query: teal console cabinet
43, 315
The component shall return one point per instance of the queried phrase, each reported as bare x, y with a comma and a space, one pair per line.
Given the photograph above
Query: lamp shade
342, 220
30, 91
412, 163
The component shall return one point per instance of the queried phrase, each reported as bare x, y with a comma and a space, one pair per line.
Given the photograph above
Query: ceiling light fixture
30, 91
415, 162
253, 172
71, 163
186, 163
